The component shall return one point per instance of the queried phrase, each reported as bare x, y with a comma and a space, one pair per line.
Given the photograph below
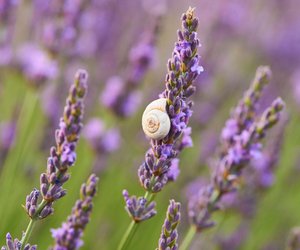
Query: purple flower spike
138, 208
243, 115
63, 156
68, 237
183, 68
16, 244
169, 235
243, 145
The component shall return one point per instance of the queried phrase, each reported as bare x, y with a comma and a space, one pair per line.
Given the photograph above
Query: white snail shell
156, 121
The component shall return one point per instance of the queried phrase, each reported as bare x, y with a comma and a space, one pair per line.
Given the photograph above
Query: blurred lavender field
124, 46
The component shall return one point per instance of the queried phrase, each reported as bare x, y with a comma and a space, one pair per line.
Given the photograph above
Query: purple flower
63, 156
173, 171
8, 9
241, 148
7, 134
102, 140
94, 128
16, 244
36, 64
244, 113
60, 24
169, 234
231, 128
131, 103
153, 172
6, 55
113, 88
186, 141
111, 140
296, 86
68, 237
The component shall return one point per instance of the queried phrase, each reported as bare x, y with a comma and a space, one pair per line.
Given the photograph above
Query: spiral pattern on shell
155, 121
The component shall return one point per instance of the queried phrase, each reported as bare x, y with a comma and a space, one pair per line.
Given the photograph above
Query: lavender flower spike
16, 244
63, 155
243, 114
169, 235
244, 146
68, 237
183, 68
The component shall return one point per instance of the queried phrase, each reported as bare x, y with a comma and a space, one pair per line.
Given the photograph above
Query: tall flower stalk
39, 203
244, 143
68, 236
255, 181
154, 172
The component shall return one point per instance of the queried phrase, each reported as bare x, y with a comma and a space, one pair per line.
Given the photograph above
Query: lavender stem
128, 235
133, 226
216, 196
27, 233
32, 222
188, 238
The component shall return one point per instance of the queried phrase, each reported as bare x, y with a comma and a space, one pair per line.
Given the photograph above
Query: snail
156, 121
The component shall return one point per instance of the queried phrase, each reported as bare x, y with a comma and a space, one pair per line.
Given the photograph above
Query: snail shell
156, 121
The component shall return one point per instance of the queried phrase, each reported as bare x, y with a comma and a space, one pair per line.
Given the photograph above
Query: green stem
133, 226
12, 163
216, 195
128, 235
188, 238
27, 233
29, 229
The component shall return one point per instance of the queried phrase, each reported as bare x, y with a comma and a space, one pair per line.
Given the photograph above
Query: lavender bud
71, 231
169, 235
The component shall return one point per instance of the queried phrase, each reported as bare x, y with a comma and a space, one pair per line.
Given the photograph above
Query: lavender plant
16, 244
169, 234
62, 157
183, 68
245, 132
68, 237
254, 182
